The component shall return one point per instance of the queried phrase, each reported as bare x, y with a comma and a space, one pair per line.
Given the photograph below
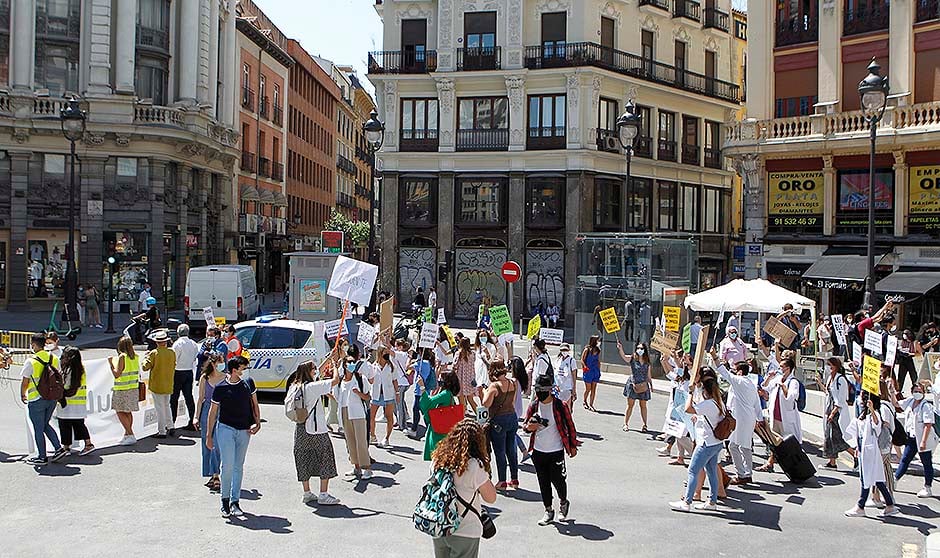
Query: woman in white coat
744, 403
921, 440
864, 431
783, 390
838, 415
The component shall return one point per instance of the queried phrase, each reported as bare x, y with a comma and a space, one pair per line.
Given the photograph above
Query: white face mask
641, 351
918, 396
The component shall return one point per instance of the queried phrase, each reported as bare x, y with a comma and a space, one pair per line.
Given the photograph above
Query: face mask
351, 366
543, 395
220, 367
641, 351
49, 347
733, 335
918, 396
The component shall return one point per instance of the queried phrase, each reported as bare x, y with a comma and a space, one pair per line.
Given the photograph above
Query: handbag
489, 528
443, 419
141, 392
725, 426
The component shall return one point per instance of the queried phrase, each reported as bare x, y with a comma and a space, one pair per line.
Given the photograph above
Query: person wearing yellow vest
71, 417
161, 363
40, 410
125, 398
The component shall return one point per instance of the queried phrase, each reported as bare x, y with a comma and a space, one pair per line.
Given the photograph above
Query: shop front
131, 251
45, 267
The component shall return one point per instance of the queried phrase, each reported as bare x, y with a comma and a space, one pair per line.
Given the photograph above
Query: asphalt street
150, 499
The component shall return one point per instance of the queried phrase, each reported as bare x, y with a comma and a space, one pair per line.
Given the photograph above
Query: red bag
443, 419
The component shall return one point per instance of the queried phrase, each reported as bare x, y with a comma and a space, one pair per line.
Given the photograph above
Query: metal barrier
15, 339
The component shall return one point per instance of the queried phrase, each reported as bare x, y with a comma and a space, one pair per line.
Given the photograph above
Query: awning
839, 272
280, 199
266, 196
909, 282
249, 193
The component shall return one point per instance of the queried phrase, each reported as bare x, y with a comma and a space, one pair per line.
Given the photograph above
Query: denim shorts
383, 402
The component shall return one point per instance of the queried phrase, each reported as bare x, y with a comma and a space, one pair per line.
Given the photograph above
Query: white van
228, 289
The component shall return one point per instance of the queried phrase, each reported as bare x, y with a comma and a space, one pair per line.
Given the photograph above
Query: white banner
353, 280
209, 316
332, 329
366, 334
873, 342
429, 334
839, 327
857, 354
441, 318
892, 352
551, 336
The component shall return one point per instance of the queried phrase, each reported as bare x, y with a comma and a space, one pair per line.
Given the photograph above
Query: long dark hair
593, 348
464, 349
519, 373
73, 369
712, 391
837, 362
304, 373
451, 383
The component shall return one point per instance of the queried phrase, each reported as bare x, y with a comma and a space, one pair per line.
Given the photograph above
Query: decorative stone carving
514, 23
445, 94
193, 149
92, 139
414, 11
899, 159
445, 8
611, 11
573, 85
649, 24
632, 92
827, 161
21, 135
126, 194
712, 44
514, 88
552, 6
122, 139
516, 137
682, 34
829, 7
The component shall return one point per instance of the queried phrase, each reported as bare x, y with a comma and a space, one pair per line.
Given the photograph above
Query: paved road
151, 499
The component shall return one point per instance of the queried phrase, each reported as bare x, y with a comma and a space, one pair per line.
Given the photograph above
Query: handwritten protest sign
332, 329
209, 316
609, 319
551, 336
500, 320
535, 324
387, 313
892, 352
449, 334
672, 314
871, 375
776, 329
353, 280
665, 343
873, 342
441, 318
366, 334
429, 334
857, 354
838, 326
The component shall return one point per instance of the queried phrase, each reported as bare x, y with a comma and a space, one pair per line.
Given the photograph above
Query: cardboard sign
366, 334
535, 324
450, 335
441, 318
892, 352
500, 320
332, 329
386, 314
209, 316
552, 336
699, 358
665, 343
672, 315
609, 319
220, 321
353, 280
838, 326
857, 354
429, 334
776, 329
871, 375
873, 342
687, 338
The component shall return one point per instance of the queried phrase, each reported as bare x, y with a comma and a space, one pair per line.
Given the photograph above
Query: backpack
801, 399
551, 369
51, 385
853, 391
436, 513
295, 408
885, 438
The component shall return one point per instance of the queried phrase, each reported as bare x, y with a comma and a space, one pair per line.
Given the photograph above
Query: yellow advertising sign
535, 325
610, 321
871, 375
672, 314
795, 193
925, 190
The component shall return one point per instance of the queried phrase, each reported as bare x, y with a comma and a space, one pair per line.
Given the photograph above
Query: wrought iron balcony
418, 140
546, 137
661, 4
689, 9
666, 150
277, 171
248, 99
345, 164
264, 166
248, 162
797, 30
928, 10
717, 19
155, 38
278, 116
690, 154
263, 107
402, 62
713, 158
643, 147
478, 58
483, 139
865, 20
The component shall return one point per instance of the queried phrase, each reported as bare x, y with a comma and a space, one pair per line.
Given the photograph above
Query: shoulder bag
489, 528
725, 426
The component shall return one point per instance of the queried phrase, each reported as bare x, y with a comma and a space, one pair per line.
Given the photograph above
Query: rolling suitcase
793, 460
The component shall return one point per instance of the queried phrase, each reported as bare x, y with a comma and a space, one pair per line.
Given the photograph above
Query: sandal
586, 408
625, 428
644, 430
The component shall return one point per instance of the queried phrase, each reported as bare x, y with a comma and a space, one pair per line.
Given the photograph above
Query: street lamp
72, 118
375, 135
873, 91
111, 262
628, 127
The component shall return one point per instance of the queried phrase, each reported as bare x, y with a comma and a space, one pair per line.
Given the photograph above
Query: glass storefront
169, 270
132, 252
45, 269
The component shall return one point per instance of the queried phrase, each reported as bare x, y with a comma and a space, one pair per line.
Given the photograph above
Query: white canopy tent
755, 295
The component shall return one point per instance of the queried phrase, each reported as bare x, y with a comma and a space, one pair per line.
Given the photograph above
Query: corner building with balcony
501, 141
154, 168
803, 150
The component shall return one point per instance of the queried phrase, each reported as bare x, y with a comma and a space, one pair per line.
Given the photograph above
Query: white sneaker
664, 451
127, 441
327, 500
352, 474
386, 444
411, 433
891, 511
680, 505
925, 492
309, 497
855, 512
706, 506
366, 474
879, 504
373, 441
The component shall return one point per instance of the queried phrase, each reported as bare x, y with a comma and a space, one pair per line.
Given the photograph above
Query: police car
276, 346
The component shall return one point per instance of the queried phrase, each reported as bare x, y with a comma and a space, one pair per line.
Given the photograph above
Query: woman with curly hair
464, 453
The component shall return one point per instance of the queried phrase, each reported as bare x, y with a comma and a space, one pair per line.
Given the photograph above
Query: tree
356, 232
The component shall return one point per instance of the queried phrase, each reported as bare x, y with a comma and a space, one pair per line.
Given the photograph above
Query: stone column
158, 170
391, 111
901, 52
214, 56
902, 193
515, 89
389, 264
22, 58
19, 184
516, 220
829, 55
445, 236
184, 186
204, 52
447, 106
830, 195
579, 198
188, 51
91, 255
573, 88
125, 46
226, 223
202, 188
512, 52
753, 172
446, 55
99, 53
228, 70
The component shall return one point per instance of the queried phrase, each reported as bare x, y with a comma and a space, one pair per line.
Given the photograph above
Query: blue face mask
351, 366
220, 367
733, 335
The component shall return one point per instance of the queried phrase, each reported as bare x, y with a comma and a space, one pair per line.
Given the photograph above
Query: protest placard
209, 316
441, 318
873, 342
699, 355
776, 329
871, 375
450, 335
332, 329
552, 336
366, 334
535, 324
429, 334
857, 354
665, 343
479, 315
500, 320
386, 314
353, 280
892, 351
672, 315
609, 319
838, 326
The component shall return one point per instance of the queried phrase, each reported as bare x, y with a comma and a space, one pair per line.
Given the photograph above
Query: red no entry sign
511, 272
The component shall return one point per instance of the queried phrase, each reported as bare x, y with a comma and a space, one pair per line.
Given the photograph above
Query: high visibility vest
32, 392
131, 375
80, 399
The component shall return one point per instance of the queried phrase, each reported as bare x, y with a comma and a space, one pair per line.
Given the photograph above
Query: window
688, 208
276, 96
246, 76
713, 144
275, 338
554, 30
667, 136
58, 26
479, 30
607, 115
607, 204
150, 78
643, 146
153, 24
126, 166
546, 197
712, 215
667, 206
639, 204
488, 113
546, 121
690, 146
646, 50
794, 106
418, 208
53, 164
481, 201
419, 119
414, 34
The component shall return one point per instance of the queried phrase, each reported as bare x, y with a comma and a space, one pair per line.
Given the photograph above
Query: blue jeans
40, 414
885, 493
704, 457
233, 445
926, 458
416, 413
210, 457
503, 437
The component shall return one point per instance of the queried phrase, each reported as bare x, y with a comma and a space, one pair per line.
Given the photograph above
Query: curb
932, 546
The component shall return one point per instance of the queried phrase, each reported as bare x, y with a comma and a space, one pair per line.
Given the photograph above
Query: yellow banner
871, 375
535, 325
672, 314
925, 190
610, 321
795, 193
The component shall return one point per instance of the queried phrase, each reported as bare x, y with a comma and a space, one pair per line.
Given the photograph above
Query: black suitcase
793, 460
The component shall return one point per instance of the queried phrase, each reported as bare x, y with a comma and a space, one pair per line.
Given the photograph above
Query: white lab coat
789, 415
869, 454
916, 419
744, 403
839, 391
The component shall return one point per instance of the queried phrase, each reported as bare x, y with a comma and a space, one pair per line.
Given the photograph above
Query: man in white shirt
744, 403
432, 298
142, 298
186, 352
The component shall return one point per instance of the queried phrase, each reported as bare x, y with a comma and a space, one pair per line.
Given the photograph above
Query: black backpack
51, 385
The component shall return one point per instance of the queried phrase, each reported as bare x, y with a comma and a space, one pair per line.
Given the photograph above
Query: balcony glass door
607, 40
414, 34
554, 30
479, 40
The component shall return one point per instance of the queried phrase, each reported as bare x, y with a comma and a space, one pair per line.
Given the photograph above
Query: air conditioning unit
611, 143
261, 240
241, 241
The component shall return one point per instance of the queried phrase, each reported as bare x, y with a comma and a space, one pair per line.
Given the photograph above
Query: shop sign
924, 200
739, 252
332, 241
795, 200
755, 249
786, 269
840, 284
192, 241
739, 268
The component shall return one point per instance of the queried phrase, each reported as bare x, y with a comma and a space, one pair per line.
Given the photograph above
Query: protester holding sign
313, 451
744, 404
591, 360
921, 438
639, 385
353, 401
384, 395
444, 396
838, 414
784, 390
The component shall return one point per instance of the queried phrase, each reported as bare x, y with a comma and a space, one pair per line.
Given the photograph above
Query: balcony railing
248, 162
264, 166
593, 54
362, 191
248, 99
713, 158
478, 58
797, 30
690, 154
277, 171
345, 200
483, 140
546, 137
147, 114
416, 140
666, 150
661, 4
717, 19
263, 107
156, 38
345, 164
643, 147
864, 20
402, 62
608, 140
928, 10
689, 9
278, 117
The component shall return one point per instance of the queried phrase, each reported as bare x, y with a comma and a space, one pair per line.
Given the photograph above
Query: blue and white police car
276, 346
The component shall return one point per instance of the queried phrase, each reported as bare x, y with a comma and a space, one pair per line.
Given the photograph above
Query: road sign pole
511, 315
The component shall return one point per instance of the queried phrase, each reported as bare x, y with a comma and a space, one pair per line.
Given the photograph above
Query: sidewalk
38, 321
